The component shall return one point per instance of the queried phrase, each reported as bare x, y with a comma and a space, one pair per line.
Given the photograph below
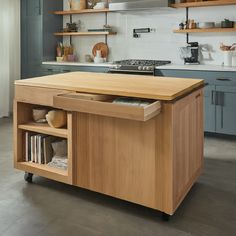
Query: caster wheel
165, 217
28, 177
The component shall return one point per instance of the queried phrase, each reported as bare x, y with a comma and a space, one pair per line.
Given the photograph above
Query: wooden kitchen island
149, 155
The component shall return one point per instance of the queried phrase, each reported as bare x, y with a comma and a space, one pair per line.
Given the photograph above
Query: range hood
133, 5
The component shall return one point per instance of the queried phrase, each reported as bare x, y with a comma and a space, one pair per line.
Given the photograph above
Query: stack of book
38, 148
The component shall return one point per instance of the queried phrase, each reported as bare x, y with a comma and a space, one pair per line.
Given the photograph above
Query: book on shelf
38, 147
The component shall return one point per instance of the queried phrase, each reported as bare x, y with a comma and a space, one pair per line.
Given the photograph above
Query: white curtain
10, 52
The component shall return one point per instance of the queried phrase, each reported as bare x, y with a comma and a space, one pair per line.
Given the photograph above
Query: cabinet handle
40, 7
50, 70
222, 117
66, 71
213, 98
224, 79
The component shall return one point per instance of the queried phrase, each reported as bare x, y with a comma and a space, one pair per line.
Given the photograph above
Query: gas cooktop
137, 66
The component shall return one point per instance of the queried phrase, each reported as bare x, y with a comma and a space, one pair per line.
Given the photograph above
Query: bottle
82, 4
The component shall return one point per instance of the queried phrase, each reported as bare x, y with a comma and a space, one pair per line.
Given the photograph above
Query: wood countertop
160, 88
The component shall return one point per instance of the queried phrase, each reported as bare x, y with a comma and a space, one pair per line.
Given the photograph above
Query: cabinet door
210, 109
34, 7
31, 37
226, 110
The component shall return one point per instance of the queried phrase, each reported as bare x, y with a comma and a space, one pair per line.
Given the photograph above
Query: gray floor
51, 208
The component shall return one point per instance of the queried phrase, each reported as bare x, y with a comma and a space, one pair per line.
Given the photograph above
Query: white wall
10, 52
163, 44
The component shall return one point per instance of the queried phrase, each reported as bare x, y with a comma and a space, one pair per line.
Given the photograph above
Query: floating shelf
84, 33
44, 129
212, 30
85, 11
204, 4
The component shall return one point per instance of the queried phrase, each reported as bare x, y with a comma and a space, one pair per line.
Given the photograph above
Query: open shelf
44, 170
84, 33
44, 129
204, 4
85, 11
212, 30
44, 167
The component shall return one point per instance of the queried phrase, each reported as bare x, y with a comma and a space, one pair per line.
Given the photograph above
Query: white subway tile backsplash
162, 44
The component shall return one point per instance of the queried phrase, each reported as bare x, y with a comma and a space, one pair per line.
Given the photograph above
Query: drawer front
211, 77
35, 95
106, 108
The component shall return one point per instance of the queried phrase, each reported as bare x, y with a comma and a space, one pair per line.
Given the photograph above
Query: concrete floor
49, 208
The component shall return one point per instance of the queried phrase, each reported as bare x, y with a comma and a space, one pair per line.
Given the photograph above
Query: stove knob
117, 66
148, 68
144, 67
140, 68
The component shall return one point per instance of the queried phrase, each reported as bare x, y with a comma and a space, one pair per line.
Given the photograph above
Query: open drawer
103, 105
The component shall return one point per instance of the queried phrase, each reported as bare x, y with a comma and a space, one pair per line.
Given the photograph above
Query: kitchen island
149, 155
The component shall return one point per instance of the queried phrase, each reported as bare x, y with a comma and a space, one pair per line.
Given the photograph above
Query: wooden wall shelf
204, 4
85, 11
84, 33
213, 30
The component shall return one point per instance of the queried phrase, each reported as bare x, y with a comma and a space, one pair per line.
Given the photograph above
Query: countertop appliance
129, 5
192, 57
142, 67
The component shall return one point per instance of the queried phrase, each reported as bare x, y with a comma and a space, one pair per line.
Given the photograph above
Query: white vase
228, 58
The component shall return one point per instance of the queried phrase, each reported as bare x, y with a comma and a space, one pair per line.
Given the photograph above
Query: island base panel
152, 163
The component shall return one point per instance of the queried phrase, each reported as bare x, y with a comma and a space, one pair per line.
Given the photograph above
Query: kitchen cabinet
107, 141
226, 109
37, 41
57, 69
210, 108
220, 97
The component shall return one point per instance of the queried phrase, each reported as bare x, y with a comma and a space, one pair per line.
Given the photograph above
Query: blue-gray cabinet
220, 98
210, 109
37, 40
226, 110
57, 69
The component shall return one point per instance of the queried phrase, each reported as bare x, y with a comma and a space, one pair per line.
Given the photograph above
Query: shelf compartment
212, 30
44, 129
204, 4
44, 170
107, 108
85, 11
84, 33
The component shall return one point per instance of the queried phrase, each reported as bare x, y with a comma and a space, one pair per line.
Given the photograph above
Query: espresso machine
190, 54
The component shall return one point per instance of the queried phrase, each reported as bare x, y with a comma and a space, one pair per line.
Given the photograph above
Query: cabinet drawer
36, 95
102, 105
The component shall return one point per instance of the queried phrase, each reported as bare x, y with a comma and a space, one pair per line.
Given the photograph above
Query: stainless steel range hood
133, 5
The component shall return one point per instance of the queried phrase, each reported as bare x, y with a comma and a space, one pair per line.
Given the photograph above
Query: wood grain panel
157, 88
188, 133
117, 157
36, 95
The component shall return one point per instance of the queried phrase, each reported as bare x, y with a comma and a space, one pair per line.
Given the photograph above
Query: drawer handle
66, 70
224, 79
50, 70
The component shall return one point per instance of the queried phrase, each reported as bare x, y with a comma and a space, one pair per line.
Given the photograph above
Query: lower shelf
45, 171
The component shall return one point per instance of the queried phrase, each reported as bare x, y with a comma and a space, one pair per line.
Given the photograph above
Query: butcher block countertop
160, 88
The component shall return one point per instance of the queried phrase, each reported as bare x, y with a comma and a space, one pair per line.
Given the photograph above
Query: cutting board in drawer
105, 107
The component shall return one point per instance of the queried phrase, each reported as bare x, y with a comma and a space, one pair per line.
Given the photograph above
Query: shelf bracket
187, 18
71, 21
106, 22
